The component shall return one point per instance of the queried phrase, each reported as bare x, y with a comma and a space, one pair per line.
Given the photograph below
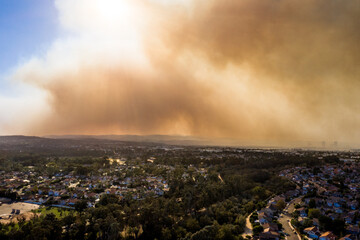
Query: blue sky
27, 27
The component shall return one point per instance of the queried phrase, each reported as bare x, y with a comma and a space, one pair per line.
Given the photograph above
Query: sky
26, 28
273, 72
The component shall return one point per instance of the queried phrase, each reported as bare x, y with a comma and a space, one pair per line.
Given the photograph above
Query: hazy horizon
186, 140
273, 72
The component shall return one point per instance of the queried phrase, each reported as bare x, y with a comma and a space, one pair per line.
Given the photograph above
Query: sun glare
109, 26
116, 12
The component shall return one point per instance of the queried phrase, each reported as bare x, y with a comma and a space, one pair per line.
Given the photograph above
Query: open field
58, 212
6, 209
25, 211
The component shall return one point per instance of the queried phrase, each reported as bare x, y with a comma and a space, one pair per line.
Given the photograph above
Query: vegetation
197, 206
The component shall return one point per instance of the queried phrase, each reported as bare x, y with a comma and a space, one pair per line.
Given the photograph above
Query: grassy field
43, 211
58, 212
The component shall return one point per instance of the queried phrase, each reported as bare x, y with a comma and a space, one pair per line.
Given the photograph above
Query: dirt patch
8, 212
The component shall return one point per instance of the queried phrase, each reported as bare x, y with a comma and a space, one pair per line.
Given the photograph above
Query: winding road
248, 227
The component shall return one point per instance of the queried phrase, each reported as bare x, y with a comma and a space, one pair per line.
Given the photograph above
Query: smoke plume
252, 70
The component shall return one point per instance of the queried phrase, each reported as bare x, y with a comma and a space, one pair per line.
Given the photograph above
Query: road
248, 227
285, 219
322, 189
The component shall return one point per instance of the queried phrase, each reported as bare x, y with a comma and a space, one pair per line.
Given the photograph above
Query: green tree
81, 205
314, 213
280, 205
257, 229
226, 232
312, 203
192, 224
240, 222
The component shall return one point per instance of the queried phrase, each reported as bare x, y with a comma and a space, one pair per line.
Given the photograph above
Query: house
338, 210
269, 212
62, 202
316, 222
348, 237
273, 207
306, 188
349, 218
318, 201
353, 229
92, 195
353, 205
312, 232
336, 203
333, 216
301, 220
72, 202
292, 193
271, 226
264, 218
302, 212
269, 235
329, 202
277, 199
327, 236
110, 191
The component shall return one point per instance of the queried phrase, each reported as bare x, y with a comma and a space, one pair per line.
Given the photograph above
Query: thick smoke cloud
253, 70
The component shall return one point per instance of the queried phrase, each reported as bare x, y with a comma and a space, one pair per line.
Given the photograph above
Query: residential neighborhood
324, 206
67, 189
225, 193
329, 207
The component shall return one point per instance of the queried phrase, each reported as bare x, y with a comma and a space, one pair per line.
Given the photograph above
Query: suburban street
285, 219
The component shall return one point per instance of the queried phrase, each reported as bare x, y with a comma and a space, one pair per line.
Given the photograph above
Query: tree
226, 232
82, 171
280, 205
206, 233
260, 192
325, 222
314, 213
80, 206
166, 234
258, 229
51, 226
192, 224
249, 206
114, 231
241, 222
312, 203
108, 199
205, 221
338, 226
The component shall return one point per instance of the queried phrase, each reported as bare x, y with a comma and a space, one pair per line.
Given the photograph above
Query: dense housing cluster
93, 189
